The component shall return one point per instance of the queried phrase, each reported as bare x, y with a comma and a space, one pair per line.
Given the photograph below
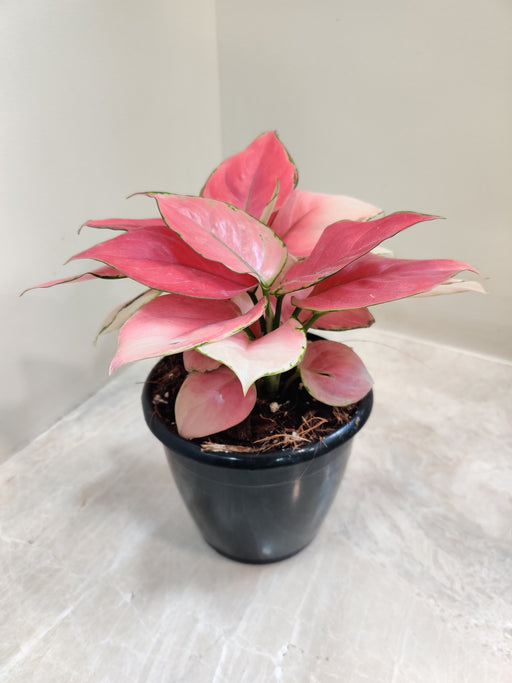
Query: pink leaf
340, 244
124, 312
105, 272
158, 258
344, 320
273, 353
304, 217
374, 280
126, 224
174, 323
197, 362
222, 233
210, 402
248, 179
334, 374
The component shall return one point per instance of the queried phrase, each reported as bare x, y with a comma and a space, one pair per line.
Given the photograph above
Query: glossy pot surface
258, 507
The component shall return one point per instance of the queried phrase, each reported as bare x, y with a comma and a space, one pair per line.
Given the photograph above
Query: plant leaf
454, 286
334, 374
276, 352
304, 217
158, 258
271, 206
173, 323
125, 224
225, 234
344, 320
344, 242
197, 362
248, 179
117, 318
209, 402
104, 273
374, 280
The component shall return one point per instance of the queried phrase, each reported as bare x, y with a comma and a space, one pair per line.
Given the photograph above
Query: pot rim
256, 460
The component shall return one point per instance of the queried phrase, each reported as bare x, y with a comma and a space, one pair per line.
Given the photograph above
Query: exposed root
312, 428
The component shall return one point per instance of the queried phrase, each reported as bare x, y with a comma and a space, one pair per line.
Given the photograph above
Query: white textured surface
104, 577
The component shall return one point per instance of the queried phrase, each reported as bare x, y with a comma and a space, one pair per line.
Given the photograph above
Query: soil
288, 420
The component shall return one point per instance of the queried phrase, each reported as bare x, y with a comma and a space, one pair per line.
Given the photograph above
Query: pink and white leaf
209, 402
352, 319
117, 318
374, 280
222, 233
105, 273
270, 208
454, 286
160, 259
125, 224
276, 352
197, 362
344, 242
334, 374
248, 179
304, 217
173, 323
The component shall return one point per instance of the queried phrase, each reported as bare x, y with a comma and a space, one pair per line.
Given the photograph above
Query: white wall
404, 104
100, 99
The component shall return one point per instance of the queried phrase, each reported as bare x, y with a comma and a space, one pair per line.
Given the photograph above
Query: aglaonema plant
236, 277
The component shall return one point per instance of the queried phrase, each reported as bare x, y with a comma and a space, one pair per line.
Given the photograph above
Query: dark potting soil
287, 420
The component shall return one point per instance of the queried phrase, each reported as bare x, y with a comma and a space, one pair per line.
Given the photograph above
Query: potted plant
256, 414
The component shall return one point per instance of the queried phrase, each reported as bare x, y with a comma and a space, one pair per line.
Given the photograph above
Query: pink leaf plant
238, 278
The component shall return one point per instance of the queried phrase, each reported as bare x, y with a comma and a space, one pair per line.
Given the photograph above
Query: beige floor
104, 578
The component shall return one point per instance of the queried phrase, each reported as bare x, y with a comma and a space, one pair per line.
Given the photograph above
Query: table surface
103, 576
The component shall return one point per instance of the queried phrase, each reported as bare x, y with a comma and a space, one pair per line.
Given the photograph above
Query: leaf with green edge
454, 286
275, 352
248, 179
197, 362
160, 259
334, 374
173, 323
340, 244
374, 280
117, 318
352, 319
209, 402
103, 273
270, 207
220, 232
304, 217
125, 224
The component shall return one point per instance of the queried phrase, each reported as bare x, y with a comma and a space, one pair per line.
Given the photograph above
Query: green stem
277, 315
290, 380
272, 384
254, 300
269, 314
312, 320
253, 296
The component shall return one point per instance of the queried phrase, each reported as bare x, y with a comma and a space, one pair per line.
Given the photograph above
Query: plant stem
312, 320
254, 300
269, 314
272, 384
291, 379
277, 314
253, 296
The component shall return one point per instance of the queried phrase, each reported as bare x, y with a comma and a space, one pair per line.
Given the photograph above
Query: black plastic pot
260, 507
